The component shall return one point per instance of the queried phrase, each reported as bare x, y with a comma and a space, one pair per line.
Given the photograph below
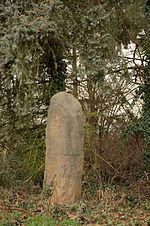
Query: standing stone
64, 149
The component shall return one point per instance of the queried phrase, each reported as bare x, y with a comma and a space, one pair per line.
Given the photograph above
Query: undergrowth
115, 190
100, 205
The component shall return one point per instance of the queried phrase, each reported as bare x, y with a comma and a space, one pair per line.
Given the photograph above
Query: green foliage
142, 126
138, 128
46, 221
40, 220
69, 222
32, 69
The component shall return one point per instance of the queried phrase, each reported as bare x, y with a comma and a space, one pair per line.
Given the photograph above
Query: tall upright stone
64, 149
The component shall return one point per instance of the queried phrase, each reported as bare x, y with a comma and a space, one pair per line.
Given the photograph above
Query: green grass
42, 220
38, 220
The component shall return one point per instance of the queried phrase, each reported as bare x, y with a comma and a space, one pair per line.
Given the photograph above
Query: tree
32, 69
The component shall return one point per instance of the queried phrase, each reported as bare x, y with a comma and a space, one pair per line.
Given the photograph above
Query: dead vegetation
106, 205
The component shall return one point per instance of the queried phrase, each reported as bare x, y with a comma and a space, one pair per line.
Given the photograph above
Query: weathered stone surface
64, 149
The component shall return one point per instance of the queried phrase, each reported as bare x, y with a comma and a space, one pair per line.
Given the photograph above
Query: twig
35, 172
7, 208
108, 163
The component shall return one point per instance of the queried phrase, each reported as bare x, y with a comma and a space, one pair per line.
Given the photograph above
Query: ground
107, 205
